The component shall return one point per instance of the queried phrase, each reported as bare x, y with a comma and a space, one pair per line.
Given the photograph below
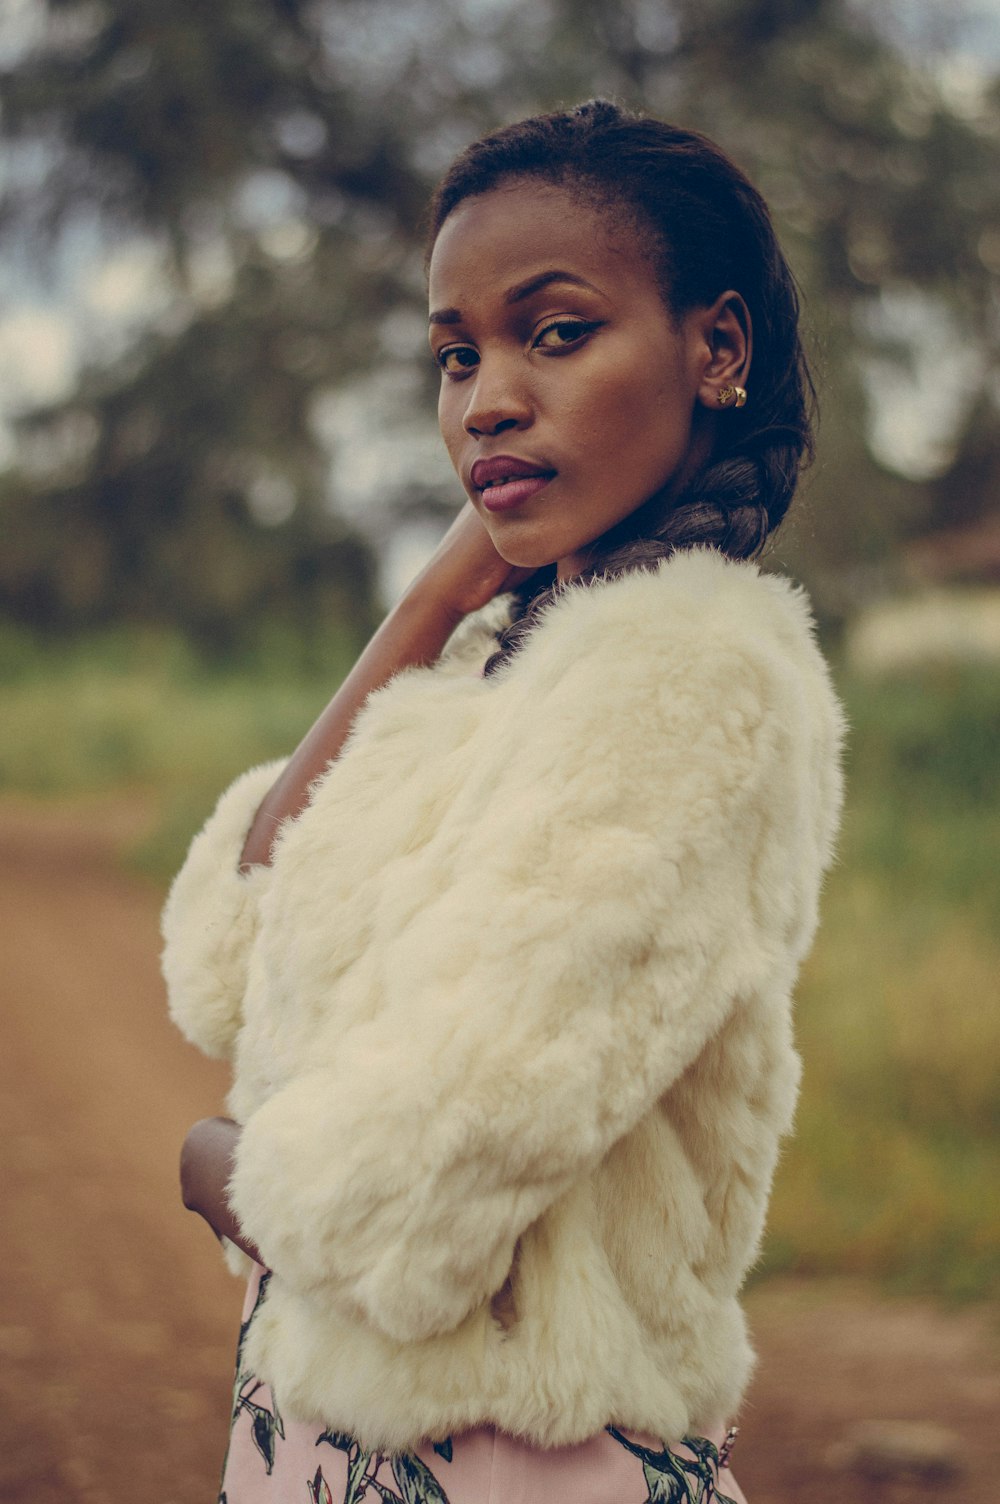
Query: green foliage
126, 711
924, 815
897, 1142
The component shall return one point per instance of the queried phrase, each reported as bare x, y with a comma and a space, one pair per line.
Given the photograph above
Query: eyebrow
519, 292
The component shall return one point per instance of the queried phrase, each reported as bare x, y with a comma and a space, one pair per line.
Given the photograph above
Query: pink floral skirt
275, 1460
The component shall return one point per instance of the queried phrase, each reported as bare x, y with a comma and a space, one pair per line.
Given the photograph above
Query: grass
136, 711
893, 1170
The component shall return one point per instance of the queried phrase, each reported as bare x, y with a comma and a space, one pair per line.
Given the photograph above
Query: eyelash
581, 328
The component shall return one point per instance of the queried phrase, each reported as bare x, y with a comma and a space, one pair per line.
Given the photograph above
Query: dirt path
117, 1320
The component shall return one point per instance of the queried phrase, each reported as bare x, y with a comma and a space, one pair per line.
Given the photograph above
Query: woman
503, 955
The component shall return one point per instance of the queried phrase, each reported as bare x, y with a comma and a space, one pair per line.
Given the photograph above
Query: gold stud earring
731, 396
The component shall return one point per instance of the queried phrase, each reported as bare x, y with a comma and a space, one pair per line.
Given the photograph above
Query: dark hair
708, 229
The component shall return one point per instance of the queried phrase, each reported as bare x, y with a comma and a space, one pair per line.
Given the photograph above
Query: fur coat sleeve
508, 922
210, 920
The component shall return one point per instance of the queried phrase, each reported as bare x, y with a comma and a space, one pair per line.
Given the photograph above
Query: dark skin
586, 376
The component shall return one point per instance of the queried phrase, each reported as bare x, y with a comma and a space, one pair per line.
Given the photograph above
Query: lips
504, 482
504, 467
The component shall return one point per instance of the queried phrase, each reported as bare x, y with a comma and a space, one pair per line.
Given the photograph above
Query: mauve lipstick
505, 482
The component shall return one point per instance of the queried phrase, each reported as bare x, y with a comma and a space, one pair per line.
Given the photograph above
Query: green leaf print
357, 1479
416, 1481
319, 1489
665, 1488
338, 1439
264, 1444
705, 1469
357, 1464
444, 1448
668, 1476
386, 1494
262, 1431
414, 1478
243, 1374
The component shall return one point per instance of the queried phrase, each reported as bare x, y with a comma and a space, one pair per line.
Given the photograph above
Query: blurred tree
183, 480
280, 151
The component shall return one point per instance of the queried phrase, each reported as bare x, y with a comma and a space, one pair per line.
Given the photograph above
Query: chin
522, 553
526, 543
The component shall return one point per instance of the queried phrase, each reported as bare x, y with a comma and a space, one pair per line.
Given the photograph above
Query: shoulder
697, 619
702, 660
688, 682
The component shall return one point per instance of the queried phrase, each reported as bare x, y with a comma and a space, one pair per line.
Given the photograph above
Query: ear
727, 331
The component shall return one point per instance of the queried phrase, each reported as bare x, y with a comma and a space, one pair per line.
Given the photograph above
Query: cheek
442, 412
449, 420
600, 416
633, 426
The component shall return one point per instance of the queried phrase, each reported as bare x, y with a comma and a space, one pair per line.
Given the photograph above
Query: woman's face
568, 391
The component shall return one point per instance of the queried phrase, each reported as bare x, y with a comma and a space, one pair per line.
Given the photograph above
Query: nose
498, 400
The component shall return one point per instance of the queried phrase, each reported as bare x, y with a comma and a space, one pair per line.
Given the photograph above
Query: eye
562, 334
457, 360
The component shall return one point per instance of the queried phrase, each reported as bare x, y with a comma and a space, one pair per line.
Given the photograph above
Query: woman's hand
206, 1166
466, 572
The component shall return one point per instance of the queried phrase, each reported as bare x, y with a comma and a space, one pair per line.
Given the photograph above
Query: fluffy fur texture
514, 1000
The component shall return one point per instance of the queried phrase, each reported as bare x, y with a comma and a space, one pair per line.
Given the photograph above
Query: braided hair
705, 229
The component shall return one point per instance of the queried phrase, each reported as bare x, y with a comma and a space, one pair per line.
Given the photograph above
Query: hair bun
747, 528
597, 112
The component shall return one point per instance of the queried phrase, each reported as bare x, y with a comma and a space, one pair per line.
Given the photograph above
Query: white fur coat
513, 1000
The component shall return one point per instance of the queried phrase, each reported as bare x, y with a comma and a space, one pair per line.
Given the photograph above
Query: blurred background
218, 463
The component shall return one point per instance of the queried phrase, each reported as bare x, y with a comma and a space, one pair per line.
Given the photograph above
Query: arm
210, 918
464, 574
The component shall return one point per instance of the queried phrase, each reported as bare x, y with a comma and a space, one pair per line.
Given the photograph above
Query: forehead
517, 231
